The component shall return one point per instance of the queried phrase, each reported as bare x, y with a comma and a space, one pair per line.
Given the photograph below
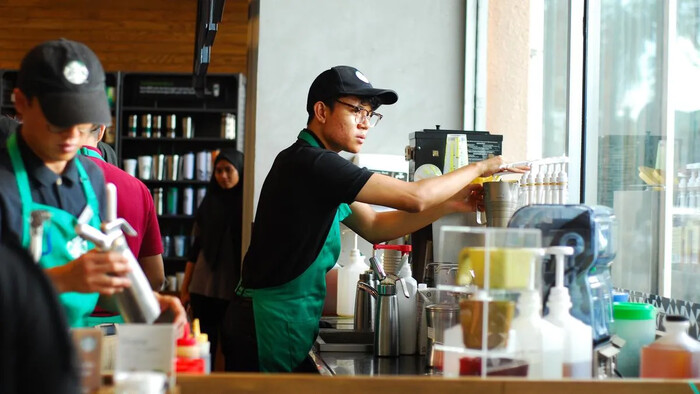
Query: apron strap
90, 196
90, 153
25, 193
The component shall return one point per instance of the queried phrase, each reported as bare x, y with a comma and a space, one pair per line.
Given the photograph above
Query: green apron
92, 321
287, 316
61, 244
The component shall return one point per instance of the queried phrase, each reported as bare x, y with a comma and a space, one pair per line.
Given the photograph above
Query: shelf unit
165, 94
168, 95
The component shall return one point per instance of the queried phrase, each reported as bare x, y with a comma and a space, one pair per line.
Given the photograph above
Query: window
644, 63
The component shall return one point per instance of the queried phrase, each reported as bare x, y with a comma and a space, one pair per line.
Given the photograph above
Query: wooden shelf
178, 139
155, 108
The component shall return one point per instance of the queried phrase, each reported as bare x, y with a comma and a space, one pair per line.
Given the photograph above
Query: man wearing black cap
60, 97
272, 323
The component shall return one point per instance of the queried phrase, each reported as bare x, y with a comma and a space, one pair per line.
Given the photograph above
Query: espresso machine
591, 231
428, 147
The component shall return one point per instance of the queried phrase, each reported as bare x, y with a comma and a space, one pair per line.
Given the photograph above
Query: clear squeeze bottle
347, 281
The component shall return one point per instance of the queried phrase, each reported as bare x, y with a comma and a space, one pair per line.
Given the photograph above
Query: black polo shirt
62, 191
297, 205
37, 352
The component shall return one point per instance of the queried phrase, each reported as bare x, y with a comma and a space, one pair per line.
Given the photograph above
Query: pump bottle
562, 185
539, 341
347, 281
578, 336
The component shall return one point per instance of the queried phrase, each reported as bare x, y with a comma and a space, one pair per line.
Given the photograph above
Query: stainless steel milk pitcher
365, 306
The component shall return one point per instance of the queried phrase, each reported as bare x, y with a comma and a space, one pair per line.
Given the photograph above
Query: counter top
356, 363
304, 383
348, 352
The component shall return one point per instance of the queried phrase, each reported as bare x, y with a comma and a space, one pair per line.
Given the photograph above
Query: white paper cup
145, 163
130, 166
172, 283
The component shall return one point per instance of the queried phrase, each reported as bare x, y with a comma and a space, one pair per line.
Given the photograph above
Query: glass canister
636, 324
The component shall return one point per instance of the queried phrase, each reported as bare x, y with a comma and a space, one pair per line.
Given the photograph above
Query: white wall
415, 47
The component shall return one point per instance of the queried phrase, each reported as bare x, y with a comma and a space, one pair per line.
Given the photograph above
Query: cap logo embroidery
361, 77
76, 72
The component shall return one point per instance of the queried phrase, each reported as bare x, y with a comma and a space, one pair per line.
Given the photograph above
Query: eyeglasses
361, 114
83, 130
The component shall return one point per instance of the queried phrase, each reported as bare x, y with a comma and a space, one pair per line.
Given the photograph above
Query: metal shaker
386, 321
137, 303
439, 317
364, 303
386, 331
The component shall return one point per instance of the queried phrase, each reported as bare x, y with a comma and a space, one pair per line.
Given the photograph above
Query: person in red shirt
135, 205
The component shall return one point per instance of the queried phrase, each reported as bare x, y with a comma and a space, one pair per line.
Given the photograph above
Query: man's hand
184, 296
469, 199
491, 165
174, 304
93, 272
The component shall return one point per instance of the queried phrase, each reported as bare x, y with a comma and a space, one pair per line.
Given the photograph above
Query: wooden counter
288, 383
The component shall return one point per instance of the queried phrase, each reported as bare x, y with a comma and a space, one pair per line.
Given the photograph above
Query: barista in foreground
60, 97
272, 323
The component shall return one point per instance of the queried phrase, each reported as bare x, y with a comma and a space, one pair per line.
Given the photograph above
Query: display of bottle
538, 341
675, 355
578, 337
347, 281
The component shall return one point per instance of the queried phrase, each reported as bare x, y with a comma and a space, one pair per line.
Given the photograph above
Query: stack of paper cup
130, 166
187, 201
456, 154
202, 166
188, 166
145, 163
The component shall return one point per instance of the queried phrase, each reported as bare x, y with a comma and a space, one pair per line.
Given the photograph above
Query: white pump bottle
578, 338
537, 340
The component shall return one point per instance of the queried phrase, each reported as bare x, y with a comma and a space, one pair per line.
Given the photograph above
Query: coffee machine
428, 147
591, 231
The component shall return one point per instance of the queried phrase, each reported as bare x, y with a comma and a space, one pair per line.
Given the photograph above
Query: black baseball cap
68, 80
345, 81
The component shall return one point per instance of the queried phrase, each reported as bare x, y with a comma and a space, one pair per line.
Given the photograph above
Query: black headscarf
219, 216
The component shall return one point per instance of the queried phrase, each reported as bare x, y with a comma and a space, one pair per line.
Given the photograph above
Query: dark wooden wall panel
127, 35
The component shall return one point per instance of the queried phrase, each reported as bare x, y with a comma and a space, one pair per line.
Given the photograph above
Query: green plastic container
636, 324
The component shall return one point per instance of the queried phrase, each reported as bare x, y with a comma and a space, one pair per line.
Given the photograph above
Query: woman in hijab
214, 263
